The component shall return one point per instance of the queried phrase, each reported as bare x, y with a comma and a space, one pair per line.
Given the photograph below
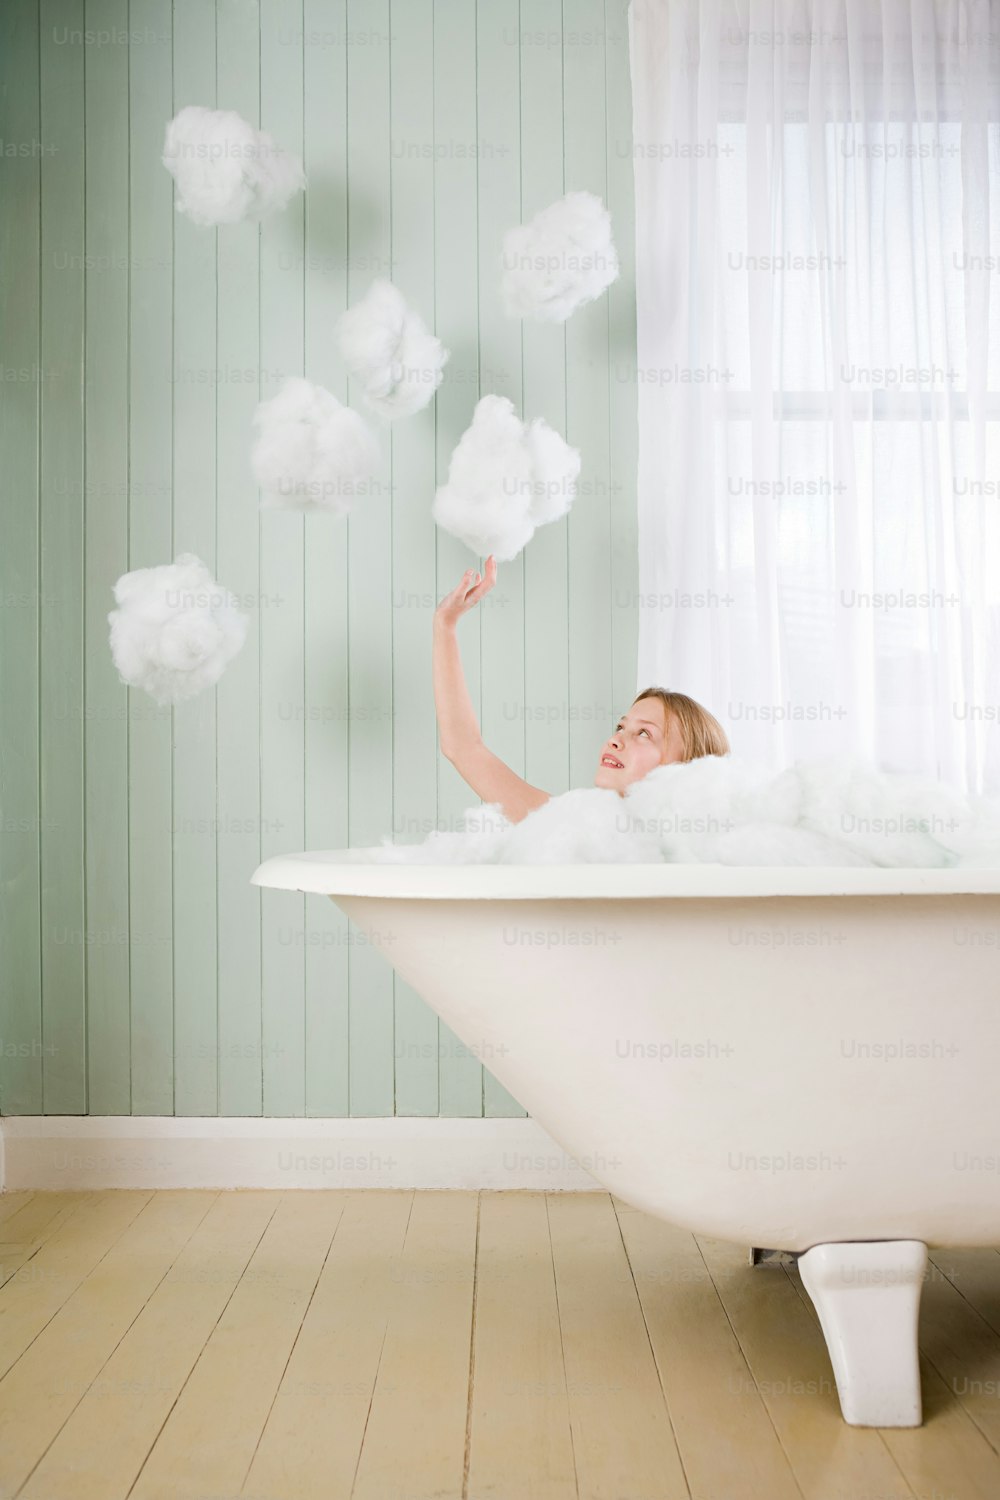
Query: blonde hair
701, 732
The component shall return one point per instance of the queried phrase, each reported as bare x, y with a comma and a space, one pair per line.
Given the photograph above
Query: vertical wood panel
590, 707
240, 1063
283, 532
106, 483
427, 127
150, 249
369, 538
21, 1029
546, 621
61, 552
624, 439
195, 385
456, 300
416, 1036
501, 617
330, 936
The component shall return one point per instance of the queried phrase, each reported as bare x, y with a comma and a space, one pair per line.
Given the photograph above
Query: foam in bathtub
476, 839
590, 825
723, 810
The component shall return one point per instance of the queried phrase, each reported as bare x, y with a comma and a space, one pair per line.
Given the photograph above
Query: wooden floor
402, 1346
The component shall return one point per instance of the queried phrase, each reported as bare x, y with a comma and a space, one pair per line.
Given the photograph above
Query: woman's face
645, 737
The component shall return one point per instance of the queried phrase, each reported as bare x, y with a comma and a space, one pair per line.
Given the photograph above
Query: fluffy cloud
505, 478
175, 629
225, 169
563, 258
389, 348
311, 452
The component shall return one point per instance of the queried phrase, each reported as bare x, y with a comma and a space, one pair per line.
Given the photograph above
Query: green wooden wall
141, 972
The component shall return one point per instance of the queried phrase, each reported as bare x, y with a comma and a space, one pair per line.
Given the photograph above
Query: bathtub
801, 1059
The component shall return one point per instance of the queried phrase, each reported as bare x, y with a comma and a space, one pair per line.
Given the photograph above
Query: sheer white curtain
818, 296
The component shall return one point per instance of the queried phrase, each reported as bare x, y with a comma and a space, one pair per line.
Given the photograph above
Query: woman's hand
469, 591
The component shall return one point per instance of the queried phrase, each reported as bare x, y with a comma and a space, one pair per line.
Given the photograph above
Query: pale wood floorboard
67, 1358
221, 1411
28, 1223
622, 1435
311, 1441
964, 1350
521, 1442
449, 1346
737, 1455
65, 1259
414, 1443
140, 1383
975, 1275
12, 1203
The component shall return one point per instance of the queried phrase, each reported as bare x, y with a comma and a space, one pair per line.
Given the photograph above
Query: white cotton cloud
311, 452
723, 810
389, 348
225, 169
563, 258
505, 478
175, 629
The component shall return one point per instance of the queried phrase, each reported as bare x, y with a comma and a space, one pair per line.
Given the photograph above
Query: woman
659, 729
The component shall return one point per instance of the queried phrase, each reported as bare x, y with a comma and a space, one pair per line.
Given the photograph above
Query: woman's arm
456, 717
461, 741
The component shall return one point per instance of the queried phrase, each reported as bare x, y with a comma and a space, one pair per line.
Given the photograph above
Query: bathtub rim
346, 872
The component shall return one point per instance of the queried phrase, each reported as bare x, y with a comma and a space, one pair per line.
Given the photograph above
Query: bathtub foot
867, 1295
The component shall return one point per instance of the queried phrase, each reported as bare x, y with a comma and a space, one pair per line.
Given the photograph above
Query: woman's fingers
472, 586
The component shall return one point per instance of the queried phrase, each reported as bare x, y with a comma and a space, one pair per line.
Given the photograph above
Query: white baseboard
71, 1153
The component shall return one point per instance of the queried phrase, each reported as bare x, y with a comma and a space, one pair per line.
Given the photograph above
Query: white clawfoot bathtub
800, 1058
